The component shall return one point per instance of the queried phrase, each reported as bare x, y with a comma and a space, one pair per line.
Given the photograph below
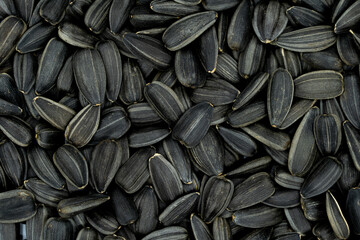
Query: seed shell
175, 232
187, 29
283, 198
13, 161
347, 19
173, 8
352, 209
352, 140
297, 220
147, 136
298, 109
199, 228
123, 206
103, 220
97, 15
336, 218
227, 68
87, 233
349, 100
53, 11
35, 225
118, 13
76, 36
58, 229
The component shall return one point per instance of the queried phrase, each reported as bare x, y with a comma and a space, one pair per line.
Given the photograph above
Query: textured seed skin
353, 210
327, 132
174, 231
199, 228
187, 29
96, 16
35, 225
53, 11
118, 13
193, 124
336, 218
350, 98
347, 19
58, 228
76, 36
352, 137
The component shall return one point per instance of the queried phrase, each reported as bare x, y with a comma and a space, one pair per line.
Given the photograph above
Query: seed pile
184, 119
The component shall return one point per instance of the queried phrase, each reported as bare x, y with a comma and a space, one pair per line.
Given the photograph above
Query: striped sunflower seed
324, 174
279, 96
65, 80
209, 49
58, 115
17, 206
303, 150
97, 15
350, 98
251, 166
327, 59
24, 74
11, 29
58, 229
309, 39
247, 114
35, 225
283, 198
118, 13
221, 229
143, 17
323, 84
44, 193
297, 220
166, 180
286, 180
141, 114
53, 11
193, 124
147, 206
103, 220
72, 165
87, 233
352, 209
350, 176
336, 218
352, 136
178, 35
253, 190
215, 197
72, 206
217, 5
48, 137
258, 216
314, 208
269, 20
123, 206
76, 36
305, 17
173, 8
83, 126
347, 48
199, 228
147, 136
227, 68
107, 157
13, 161
347, 19
175, 232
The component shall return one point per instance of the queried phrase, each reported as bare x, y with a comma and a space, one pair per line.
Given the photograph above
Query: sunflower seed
324, 231
208, 155
352, 136
177, 35
327, 132
278, 140
107, 157
255, 85
178, 210
24, 72
286, 180
193, 124
123, 206
298, 109
58, 229
173, 232
42, 165
269, 20
258, 216
216, 91
53, 11
17, 206
72, 165
96, 16
283, 198
133, 83
252, 58
11, 29
72, 206
149, 49
199, 228
76, 36
221, 229
309, 39
350, 98
164, 101
336, 218
44, 193
327, 59
83, 126
35, 225
7, 7
142, 114
352, 209
13, 162
17, 130
227, 68
147, 136
314, 208
144, 17
90, 75
324, 174
350, 175
305, 17
118, 13
260, 234
173, 8
167, 187
339, 9
253, 190
251, 167
88, 233
58, 115
303, 150
347, 19
103, 220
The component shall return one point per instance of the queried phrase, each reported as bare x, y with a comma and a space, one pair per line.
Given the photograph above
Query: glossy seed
251, 166
336, 218
298, 109
352, 136
83, 126
309, 39
226, 67
107, 157
279, 96
200, 229
285, 179
44, 193
247, 115
165, 179
149, 49
118, 13
327, 59
175, 232
349, 100
283, 198
97, 15
35, 38
35, 225
324, 174
24, 74
178, 210
305, 17
257, 216
13, 161
141, 114
103, 220
90, 75
44, 168
72, 206
187, 29
87, 233
124, 207
16, 206
347, 19
72, 165
327, 132
58, 115
59, 229
303, 150
11, 29
17, 130
297, 220
76, 36
193, 124
147, 136
173, 8
208, 155
53, 11
269, 20
348, 49
274, 139
253, 190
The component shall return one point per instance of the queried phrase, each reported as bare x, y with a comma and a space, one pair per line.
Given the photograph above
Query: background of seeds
220, 119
